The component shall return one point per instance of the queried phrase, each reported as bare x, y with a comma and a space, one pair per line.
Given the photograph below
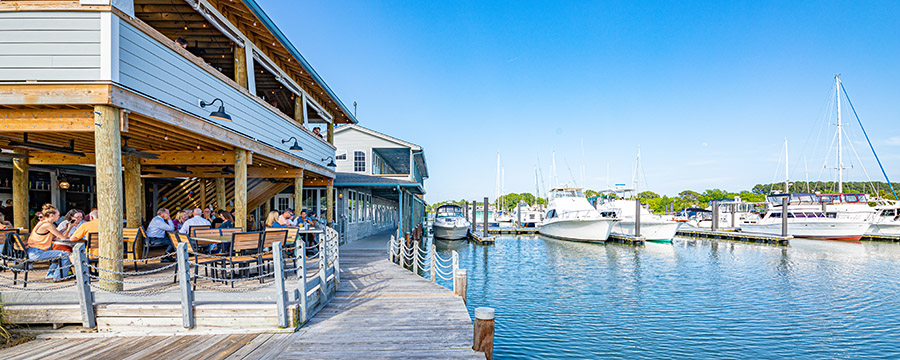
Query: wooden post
301, 281
184, 282
714, 226
323, 267
733, 211
83, 284
331, 132
484, 332
416, 258
280, 300
434, 264
637, 218
460, 282
132, 181
519, 215
485, 217
402, 246
203, 202
220, 193
20, 191
240, 188
474, 215
108, 166
329, 200
240, 66
298, 192
784, 216
298, 109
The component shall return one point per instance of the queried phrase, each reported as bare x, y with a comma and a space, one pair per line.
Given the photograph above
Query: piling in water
484, 332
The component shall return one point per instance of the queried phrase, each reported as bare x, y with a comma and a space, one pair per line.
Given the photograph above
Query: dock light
331, 162
295, 147
218, 114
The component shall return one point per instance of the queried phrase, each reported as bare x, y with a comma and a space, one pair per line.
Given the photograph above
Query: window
359, 161
352, 206
341, 155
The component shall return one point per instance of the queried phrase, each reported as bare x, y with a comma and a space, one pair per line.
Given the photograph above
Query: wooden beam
240, 66
331, 133
171, 158
56, 94
8, 6
20, 191
132, 181
220, 193
298, 192
38, 120
240, 188
329, 203
107, 138
203, 193
317, 182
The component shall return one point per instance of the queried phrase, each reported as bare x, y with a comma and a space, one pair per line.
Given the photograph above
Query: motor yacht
653, 227
449, 223
805, 219
569, 216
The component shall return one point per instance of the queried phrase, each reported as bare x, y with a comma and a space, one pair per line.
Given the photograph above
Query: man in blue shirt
156, 231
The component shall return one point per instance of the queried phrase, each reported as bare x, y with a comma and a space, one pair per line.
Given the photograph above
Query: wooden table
206, 240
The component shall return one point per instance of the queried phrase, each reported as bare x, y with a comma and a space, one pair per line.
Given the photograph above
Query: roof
377, 134
360, 180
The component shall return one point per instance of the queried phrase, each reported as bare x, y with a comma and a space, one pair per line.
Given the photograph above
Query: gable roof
377, 134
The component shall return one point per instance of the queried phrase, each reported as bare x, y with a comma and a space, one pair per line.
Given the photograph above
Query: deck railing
428, 264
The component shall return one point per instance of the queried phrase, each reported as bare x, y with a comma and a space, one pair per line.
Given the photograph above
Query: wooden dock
626, 239
735, 236
479, 238
513, 231
380, 310
881, 237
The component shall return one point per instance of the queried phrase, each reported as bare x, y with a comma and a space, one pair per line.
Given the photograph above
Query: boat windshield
566, 193
794, 198
448, 211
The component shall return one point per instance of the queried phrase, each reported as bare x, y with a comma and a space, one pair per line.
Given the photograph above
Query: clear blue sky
709, 90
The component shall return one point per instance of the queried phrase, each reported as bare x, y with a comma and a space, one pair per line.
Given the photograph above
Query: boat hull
886, 228
593, 231
450, 232
850, 230
655, 231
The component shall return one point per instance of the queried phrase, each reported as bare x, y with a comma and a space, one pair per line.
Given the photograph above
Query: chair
201, 233
243, 247
229, 231
269, 239
21, 263
192, 229
133, 236
191, 245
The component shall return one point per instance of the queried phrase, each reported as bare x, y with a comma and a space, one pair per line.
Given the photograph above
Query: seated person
286, 218
272, 219
159, 225
87, 228
196, 220
40, 241
225, 219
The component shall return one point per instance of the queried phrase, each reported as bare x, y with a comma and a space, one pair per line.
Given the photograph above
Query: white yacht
806, 220
653, 227
569, 216
527, 216
886, 220
449, 223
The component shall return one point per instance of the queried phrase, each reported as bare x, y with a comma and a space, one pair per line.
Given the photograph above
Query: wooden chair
200, 233
268, 241
192, 229
244, 246
133, 236
192, 248
229, 231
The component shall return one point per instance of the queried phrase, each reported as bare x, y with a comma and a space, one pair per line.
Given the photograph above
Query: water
693, 298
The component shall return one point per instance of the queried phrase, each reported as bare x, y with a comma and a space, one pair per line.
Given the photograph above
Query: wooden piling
484, 332
784, 216
460, 283
637, 217
715, 216
108, 167
20, 190
485, 217
474, 215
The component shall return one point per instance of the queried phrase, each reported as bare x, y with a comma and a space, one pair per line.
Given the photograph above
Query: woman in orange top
40, 241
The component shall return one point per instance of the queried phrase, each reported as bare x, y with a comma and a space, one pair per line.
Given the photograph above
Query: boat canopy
566, 193
447, 210
843, 198
794, 199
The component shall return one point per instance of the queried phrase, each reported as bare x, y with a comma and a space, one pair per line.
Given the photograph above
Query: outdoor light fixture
330, 163
218, 114
295, 147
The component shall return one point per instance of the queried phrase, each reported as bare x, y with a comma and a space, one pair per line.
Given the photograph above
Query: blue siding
60, 46
150, 68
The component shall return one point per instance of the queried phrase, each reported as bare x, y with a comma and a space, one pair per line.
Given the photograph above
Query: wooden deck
380, 311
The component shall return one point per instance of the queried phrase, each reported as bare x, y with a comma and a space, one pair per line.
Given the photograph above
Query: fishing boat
449, 223
569, 216
805, 219
527, 216
886, 220
653, 227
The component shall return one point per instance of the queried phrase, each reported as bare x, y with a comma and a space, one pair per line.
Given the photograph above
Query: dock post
519, 215
280, 301
184, 281
415, 258
83, 280
434, 262
455, 260
784, 216
637, 217
733, 211
485, 217
715, 216
301, 281
474, 215
484, 332
460, 282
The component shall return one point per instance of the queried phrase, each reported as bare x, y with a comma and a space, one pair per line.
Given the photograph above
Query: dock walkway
380, 310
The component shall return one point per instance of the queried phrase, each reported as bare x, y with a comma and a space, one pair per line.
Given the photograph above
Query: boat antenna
870, 142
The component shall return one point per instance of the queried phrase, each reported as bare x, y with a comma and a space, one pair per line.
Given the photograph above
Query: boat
886, 220
805, 219
527, 216
654, 228
733, 213
569, 216
449, 223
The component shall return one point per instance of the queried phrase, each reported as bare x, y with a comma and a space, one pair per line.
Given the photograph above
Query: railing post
323, 266
402, 253
336, 264
434, 263
184, 281
460, 281
278, 258
301, 280
455, 260
416, 252
484, 332
83, 280
391, 249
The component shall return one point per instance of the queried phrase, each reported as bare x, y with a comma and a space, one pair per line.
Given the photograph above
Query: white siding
51, 46
354, 140
152, 69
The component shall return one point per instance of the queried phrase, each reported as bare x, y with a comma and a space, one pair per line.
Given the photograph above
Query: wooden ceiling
175, 18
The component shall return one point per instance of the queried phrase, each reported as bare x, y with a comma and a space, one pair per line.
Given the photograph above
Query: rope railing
427, 261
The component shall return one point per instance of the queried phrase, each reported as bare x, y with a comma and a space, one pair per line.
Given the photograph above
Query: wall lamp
295, 147
331, 162
218, 114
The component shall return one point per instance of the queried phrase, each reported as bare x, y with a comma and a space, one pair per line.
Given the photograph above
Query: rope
133, 273
227, 257
135, 293
870, 143
228, 269
14, 269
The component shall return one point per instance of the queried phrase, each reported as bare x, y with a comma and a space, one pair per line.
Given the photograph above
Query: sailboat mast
637, 171
840, 153
553, 172
786, 167
806, 169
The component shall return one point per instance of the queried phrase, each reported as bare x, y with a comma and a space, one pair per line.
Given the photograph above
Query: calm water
692, 298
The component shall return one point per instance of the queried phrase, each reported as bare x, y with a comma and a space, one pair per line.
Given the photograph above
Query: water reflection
692, 298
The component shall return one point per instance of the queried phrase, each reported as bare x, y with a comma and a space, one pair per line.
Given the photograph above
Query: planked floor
380, 311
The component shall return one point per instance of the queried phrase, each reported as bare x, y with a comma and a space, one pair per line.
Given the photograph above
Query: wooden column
108, 147
203, 202
329, 203
132, 181
20, 191
240, 188
144, 199
331, 132
298, 192
220, 194
484, 332
298, 108
240, 66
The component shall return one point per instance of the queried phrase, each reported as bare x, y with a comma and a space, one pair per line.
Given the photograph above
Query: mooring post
460, 282
637, 218
434, 263
715, 216
784, 216
416, 258
83, 281
485, 217
474, 215
733, 212
301, 281
519, 215
184, 281
280, 301
484, 332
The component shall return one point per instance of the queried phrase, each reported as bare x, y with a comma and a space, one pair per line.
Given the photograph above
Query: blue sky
709, 90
